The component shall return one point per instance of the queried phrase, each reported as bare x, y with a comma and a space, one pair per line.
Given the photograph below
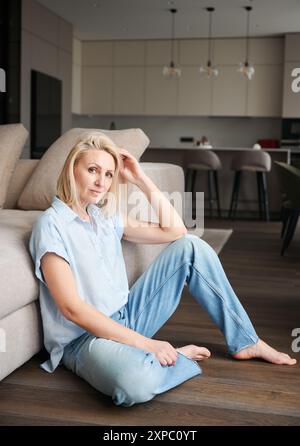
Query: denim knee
190, 242
138, 385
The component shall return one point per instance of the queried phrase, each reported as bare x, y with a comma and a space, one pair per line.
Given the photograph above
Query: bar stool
252, 161
205, 160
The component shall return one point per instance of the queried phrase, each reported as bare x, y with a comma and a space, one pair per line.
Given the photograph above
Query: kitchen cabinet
193, 52
160, 93
128, 90
128, 77
264, 96
97, 53
129, 53
158, 52
265, 51
229, 92
125, 78
97, 90
229, 52
194, 94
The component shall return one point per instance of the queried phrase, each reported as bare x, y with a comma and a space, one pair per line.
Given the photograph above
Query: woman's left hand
130, 168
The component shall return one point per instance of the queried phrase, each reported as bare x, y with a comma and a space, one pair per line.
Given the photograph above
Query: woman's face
93, 175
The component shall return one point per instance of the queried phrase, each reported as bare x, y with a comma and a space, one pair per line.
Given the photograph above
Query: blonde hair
66, 184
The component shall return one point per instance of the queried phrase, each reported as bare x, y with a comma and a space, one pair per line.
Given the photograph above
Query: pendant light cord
210, 11
248, 9
173, 11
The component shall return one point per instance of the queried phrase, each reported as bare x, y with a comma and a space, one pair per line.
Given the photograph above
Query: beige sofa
20, 323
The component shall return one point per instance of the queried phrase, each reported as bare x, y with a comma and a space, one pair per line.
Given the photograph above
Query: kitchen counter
225, 149
292, 149
248, 206
285, 150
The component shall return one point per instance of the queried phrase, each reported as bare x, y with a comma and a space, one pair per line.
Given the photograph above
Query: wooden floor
229, 392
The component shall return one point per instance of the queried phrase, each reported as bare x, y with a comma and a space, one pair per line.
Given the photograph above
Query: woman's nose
100, 180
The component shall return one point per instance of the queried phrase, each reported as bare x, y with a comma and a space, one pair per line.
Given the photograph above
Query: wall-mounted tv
46, 112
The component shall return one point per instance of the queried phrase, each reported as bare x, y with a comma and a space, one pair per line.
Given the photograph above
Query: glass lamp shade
246, 70
209, 70
171, 71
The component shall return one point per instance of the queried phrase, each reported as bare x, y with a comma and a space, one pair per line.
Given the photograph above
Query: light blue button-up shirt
94, 252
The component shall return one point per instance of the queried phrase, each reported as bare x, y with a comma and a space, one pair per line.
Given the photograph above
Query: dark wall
10, 59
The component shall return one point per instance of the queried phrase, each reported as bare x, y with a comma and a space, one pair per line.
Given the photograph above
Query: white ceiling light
246, 69
171, 71
209, 69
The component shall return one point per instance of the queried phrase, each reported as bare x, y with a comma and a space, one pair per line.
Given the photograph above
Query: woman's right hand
164, 352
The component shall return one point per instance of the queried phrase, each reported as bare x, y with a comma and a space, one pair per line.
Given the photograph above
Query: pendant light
246, 69
171, 71
209, 69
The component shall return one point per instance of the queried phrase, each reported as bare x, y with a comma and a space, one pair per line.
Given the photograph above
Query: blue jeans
131, 375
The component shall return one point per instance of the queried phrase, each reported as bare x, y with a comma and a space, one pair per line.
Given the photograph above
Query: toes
204, 354
288, 359
201, 358
204, 351
290, 362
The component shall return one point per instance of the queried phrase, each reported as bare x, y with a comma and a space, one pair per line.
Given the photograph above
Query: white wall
47, 46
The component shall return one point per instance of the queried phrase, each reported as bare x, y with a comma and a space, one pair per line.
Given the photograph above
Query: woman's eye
110, 175
92, 169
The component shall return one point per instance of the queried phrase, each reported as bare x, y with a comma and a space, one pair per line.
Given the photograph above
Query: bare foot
194, 352
264, 351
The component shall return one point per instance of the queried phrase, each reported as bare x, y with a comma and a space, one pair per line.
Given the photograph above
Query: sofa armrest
167, 177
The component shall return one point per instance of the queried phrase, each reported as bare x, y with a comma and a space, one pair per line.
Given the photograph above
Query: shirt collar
68, 214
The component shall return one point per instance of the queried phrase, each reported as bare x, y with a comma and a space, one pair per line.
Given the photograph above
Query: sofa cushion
12, 140
18, 286
23, 337
41, 186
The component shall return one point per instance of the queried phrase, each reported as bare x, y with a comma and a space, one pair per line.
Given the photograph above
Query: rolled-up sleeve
45, 237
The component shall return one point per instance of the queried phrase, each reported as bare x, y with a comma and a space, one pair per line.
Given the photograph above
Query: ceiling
150, 19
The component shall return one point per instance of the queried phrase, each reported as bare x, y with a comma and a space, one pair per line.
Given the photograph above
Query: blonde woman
93, 323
